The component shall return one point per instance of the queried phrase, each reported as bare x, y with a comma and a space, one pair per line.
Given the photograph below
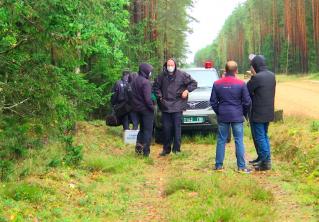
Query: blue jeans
254, 139
238, 133
260, 131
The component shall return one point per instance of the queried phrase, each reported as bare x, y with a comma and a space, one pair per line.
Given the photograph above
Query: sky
211, 15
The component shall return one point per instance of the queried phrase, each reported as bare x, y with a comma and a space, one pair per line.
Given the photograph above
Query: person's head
170, 66
258, 63
145, 70
231, 67
125, 75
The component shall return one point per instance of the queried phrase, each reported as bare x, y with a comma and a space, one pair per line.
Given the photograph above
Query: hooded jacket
262, 88
168, 89
142, 89
118, 90
230, 99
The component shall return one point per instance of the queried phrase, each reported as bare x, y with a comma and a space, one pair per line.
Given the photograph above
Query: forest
60, 58
286, 32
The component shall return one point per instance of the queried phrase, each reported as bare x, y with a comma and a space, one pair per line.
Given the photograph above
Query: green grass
218, 197
200, 138
24, 192
184, 184
110, 164
314, 76
112, 184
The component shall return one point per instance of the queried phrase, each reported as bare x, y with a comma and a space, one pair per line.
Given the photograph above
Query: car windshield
204, 78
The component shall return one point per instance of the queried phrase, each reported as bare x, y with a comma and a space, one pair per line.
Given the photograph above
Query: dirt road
298, 98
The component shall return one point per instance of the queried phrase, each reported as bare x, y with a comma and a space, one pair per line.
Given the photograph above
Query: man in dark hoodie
171, 89
261, 88
143, 106
120, 95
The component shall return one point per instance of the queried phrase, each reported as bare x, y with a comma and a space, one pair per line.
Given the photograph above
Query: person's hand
185, 94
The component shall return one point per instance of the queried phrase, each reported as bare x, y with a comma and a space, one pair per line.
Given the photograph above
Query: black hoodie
169, 88
262, 88
142, 89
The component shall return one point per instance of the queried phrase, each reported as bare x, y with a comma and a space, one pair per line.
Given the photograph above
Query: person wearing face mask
142, 104
171, 88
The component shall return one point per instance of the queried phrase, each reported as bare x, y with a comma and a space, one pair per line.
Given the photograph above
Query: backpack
124, 97
125, 91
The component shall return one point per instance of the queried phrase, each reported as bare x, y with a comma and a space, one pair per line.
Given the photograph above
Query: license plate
193, 119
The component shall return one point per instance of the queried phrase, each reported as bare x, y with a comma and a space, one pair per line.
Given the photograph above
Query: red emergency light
208, 64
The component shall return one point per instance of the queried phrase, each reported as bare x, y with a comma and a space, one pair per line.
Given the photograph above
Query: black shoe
219, 169
263, 166
139, 149
163, 153
254, 161
176, 151
257, 163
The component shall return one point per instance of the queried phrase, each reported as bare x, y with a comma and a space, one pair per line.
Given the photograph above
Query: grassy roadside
101, 188
296, 147
112, 184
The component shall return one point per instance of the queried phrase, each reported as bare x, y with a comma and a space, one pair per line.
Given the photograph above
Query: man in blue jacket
230, 100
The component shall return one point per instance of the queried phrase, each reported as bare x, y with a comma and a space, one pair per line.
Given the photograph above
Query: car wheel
158, 134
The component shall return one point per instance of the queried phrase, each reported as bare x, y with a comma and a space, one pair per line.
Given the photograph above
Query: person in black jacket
142, 104
261, 88
120, 95
171, 88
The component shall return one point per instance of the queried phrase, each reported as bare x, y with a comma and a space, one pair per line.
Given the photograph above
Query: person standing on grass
261, 86
171, 89
230, 101
142, 104
120, 95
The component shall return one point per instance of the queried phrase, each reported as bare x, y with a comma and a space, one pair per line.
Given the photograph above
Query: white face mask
170, 69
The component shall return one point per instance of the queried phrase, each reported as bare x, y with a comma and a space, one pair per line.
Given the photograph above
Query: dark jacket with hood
142, 89
262, 88
230, 99
168, 89
118, 90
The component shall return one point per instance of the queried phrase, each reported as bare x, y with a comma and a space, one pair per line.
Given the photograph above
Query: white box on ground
130, 136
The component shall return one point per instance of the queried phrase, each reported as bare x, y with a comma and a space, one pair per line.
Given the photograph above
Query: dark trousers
126, 119
172, 131
144, 136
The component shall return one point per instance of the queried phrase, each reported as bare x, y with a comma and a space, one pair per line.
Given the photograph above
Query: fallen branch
17, 104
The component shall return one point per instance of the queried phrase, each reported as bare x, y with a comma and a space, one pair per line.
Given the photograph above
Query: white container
129, 136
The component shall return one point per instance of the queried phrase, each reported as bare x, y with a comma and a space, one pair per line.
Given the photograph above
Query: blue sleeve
246, 100
214, 101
